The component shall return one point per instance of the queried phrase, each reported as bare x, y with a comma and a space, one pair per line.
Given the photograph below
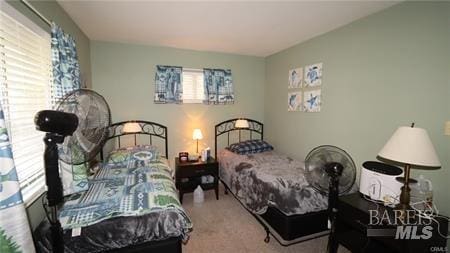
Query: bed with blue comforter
131, 200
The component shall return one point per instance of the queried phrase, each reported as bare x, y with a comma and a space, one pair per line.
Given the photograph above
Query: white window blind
193, 86
25, 83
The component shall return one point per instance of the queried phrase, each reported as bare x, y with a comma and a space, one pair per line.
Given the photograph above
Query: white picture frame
295, 101
295, 78
312, 100
313, 75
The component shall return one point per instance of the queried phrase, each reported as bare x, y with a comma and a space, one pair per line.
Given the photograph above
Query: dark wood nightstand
188, 176
354, 231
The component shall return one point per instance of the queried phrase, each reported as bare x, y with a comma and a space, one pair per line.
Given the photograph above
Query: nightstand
188, 176
353, 229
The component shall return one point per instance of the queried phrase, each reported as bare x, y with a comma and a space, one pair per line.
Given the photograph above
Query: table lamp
447, 128
197, 135
241, 123
412, 147
131, 127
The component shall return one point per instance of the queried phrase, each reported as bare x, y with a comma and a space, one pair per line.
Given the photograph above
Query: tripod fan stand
330, 171
58, 125
76, 132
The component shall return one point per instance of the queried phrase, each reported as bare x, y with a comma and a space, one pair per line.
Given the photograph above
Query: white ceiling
258, 28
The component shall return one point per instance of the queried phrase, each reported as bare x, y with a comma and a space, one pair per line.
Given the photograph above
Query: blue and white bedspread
129, 195
134, 194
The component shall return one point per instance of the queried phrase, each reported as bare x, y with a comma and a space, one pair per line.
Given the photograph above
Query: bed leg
267, 239
226, 191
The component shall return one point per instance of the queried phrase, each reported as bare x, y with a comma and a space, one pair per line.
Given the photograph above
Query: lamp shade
241, 123
197, 135
131, 127
411, 145
447, 128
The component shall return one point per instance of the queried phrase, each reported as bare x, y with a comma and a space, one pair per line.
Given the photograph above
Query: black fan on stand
330, 171
76, 131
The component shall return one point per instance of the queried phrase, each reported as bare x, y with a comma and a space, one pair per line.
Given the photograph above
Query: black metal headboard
151, 129
226, 127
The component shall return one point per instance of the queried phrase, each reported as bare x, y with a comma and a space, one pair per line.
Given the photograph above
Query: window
193, 86
25, 86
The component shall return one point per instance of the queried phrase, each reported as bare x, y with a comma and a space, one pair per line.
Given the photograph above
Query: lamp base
403, 213
404, 198
401, 206
403, 210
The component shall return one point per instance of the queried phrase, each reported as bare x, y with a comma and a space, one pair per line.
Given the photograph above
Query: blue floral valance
168, 88
66, 69
218, 86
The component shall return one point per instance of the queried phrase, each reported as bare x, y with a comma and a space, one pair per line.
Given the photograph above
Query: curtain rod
31, 8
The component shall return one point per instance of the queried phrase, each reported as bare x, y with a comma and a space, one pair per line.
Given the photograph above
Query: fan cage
94, 117
315, 168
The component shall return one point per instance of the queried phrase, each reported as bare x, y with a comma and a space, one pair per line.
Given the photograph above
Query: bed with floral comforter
269, 179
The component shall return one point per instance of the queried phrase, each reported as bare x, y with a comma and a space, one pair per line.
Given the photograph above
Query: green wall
380, 72
124, 74
53, 12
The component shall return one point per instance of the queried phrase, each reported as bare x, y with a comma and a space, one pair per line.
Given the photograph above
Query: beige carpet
225, 226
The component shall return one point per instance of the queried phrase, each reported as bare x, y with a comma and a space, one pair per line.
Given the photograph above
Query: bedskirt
113, 235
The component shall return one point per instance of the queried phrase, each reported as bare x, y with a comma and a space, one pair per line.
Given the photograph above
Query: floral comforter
269, 179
